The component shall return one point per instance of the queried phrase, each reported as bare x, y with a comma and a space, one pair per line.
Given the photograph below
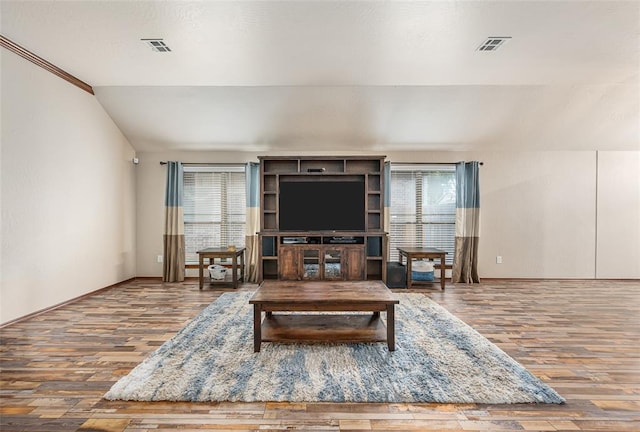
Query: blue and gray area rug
438, 358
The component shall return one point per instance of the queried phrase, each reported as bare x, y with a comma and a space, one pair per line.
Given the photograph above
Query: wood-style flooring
580, 337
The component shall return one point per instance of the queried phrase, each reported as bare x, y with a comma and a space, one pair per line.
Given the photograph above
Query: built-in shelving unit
326, 254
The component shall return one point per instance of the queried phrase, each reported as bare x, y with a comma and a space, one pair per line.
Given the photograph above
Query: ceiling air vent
157, 45
493, 42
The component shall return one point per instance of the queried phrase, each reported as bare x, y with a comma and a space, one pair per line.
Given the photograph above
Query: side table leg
234, 269
257, 330
391, 327
200, 271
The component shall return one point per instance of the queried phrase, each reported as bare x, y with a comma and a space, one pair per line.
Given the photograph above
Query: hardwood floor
581, 337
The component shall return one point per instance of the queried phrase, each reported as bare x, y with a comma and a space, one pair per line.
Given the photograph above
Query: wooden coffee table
323, 296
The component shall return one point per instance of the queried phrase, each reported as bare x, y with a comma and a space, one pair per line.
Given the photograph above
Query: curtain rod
209, 163
430, 163
241, 163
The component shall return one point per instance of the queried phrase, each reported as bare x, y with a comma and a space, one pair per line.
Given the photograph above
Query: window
214, 208
423, 207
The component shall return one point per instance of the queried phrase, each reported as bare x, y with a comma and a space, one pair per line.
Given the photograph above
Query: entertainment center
322, 218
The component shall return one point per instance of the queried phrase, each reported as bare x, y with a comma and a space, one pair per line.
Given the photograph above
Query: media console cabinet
322, 218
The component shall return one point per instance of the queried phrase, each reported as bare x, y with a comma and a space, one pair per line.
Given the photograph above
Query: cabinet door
288, 265
353, 263
310, 264
332, 264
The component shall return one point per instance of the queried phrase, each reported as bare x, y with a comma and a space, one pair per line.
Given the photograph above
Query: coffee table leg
257, 330
391, 327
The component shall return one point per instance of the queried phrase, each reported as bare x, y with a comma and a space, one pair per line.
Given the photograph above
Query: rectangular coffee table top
324, 292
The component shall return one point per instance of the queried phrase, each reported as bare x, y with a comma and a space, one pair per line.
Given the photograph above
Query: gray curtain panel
253, 221
387, 196
465, 260
174, 253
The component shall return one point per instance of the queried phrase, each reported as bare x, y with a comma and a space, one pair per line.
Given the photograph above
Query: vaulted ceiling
350, 75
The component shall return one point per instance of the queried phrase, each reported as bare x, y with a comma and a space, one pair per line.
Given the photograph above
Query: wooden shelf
323, 328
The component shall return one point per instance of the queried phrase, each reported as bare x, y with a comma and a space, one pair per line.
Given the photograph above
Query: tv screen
322, 206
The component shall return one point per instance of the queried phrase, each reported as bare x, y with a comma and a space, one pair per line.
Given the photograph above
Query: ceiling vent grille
493, 43
157, 45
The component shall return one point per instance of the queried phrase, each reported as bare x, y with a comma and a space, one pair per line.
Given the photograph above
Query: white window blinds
214, 208
423, 207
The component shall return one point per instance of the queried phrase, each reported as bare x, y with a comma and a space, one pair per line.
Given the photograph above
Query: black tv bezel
337, 205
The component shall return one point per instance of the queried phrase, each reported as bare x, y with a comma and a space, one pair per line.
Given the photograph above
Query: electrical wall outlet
159, 258
499, 259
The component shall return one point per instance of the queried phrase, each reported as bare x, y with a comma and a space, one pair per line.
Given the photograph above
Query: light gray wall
618, 251
537, 212
150, 203
541, 211
67, 193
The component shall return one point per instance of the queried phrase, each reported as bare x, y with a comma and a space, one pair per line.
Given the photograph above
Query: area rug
438, 358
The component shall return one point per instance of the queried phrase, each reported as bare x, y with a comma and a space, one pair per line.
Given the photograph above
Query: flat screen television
322, 206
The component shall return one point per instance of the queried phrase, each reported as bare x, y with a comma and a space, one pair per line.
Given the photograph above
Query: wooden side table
212, 253
422, 252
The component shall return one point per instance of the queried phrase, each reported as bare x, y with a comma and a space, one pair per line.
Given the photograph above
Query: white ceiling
350, 75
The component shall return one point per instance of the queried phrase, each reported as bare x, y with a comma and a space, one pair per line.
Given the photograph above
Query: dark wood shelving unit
320, 256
